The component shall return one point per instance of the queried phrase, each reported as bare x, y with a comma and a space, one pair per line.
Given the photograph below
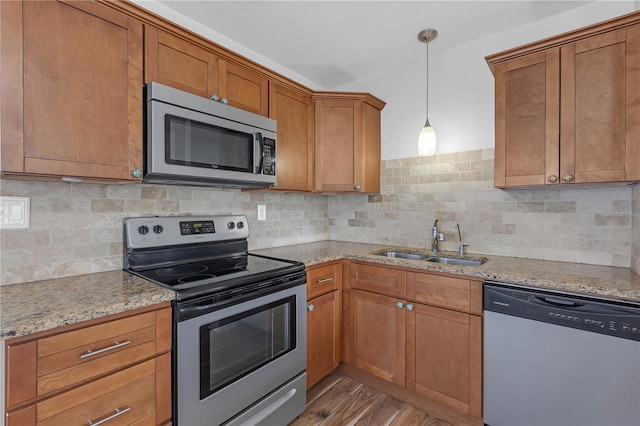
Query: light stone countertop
44, 305
607, 281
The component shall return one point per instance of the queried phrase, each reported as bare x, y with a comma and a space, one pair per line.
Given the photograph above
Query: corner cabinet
324, 320
567, 109
420, 331
116, 368
71, 90
186, 65
347, 142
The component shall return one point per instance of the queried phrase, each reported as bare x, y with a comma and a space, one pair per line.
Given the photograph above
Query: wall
583, 225
635, 218
77, 228
460, 83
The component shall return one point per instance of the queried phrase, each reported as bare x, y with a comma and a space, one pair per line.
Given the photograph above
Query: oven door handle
195, 309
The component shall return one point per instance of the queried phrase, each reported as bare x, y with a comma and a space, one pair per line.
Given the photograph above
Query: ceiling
333, 43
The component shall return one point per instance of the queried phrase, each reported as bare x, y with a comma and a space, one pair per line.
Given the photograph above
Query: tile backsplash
573, 224
77, 228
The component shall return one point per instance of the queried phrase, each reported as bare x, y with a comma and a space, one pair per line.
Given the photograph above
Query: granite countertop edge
32, 307
49, 304
595, 280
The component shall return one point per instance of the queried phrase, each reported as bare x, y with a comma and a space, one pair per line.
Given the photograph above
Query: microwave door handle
261, 162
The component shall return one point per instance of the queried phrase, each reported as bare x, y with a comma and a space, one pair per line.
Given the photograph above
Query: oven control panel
145, 232
197, 227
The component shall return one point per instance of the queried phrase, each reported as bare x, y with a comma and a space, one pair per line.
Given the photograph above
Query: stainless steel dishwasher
559, 359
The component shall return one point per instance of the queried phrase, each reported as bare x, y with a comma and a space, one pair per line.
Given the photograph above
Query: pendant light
427, 138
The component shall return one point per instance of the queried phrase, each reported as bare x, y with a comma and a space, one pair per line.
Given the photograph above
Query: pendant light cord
427, 91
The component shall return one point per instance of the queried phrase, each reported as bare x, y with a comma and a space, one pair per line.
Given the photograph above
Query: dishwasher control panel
613, 318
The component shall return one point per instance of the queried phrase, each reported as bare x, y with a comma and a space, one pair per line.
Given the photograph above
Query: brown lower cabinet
324, 320
427, 338
117, 368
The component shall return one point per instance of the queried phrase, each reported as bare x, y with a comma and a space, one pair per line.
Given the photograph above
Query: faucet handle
440, 236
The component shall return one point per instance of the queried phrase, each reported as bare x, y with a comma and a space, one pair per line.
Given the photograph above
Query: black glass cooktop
214, 273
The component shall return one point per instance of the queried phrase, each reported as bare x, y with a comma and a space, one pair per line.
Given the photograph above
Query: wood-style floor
340, 401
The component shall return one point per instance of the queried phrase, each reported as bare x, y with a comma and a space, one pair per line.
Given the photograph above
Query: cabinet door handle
567, 177
324, 280
118, 413
399, 305
553, 178
310, 307
136, 173
409, 306
357, 187
108, 348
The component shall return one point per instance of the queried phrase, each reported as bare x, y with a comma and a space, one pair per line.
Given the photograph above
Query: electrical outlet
262, 212
14, 212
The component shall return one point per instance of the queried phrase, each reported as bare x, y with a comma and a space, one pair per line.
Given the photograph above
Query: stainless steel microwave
192, 140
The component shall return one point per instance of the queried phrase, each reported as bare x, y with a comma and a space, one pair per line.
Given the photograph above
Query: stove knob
240, 225
158, 229
231, 225
143, 230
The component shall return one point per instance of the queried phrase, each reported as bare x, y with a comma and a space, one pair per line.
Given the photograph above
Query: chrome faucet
435, 237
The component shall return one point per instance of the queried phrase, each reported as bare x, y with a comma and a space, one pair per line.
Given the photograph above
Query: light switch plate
262, 212
14, 212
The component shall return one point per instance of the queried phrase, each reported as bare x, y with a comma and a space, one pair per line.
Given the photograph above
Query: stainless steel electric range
239, 353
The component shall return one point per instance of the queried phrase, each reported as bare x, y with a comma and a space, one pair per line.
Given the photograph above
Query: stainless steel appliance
239, 319
557, 359
194, 140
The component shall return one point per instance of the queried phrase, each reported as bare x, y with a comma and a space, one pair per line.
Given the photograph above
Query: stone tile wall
77, 228
584, 225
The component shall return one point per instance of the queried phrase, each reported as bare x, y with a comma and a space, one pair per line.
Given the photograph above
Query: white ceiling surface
372, 46
333, 43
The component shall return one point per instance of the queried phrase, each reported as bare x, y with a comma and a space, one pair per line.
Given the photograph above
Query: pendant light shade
427, 138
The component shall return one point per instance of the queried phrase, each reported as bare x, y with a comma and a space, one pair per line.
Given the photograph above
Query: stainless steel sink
402, 255
454, 261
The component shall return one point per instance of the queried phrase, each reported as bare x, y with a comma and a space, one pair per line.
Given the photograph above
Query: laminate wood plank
340, 400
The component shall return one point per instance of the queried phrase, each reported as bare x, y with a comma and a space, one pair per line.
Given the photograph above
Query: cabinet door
600, 139
444, 357
377, 328
178, 63
527, 94
294, 113
72, 90
243, 88
336, 129
323, 336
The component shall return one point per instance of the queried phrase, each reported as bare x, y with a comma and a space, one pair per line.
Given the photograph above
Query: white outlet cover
14, 212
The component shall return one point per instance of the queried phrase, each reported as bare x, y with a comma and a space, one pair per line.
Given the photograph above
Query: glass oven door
235, 346
228, 360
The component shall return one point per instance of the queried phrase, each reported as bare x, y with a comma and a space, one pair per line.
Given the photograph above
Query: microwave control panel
269, 157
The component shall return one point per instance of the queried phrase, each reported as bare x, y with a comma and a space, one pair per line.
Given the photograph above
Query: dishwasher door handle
559, 302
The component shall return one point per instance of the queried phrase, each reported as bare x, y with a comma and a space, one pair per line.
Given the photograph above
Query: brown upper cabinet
188, 66
567, 109
294, 155
71, 90
347, 142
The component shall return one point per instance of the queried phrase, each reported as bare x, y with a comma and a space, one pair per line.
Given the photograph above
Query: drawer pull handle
118, 413
108, 348
324, 280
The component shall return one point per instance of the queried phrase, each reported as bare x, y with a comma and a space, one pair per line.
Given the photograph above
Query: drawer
126, 397
448, 292
53, 363
323, 279
378, 279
